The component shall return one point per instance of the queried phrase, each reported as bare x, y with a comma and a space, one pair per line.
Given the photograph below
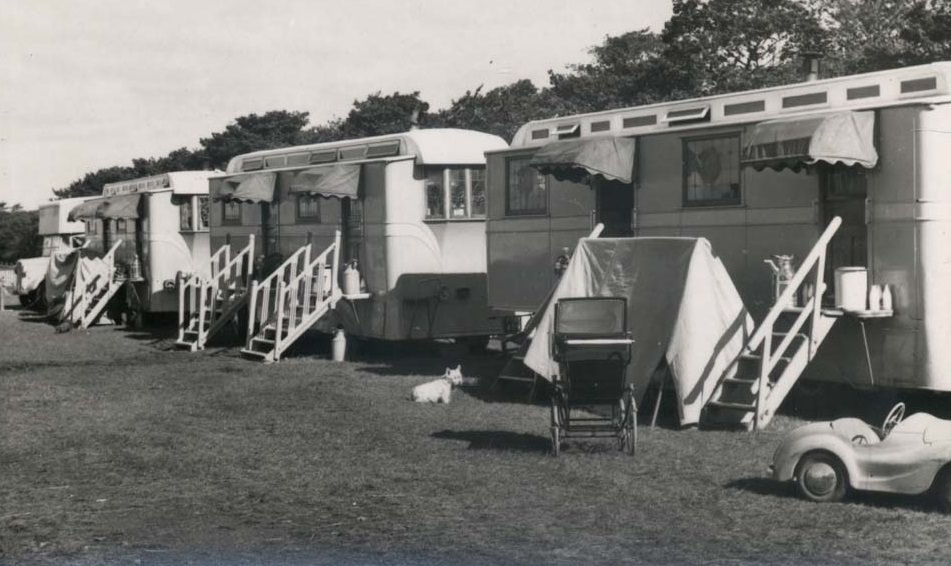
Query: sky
87, 84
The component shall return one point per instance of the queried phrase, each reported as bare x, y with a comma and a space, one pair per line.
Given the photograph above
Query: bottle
886, 298
338, 346
875, 298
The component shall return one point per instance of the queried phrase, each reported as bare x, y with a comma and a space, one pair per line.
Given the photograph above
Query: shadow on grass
498, 440
768, 486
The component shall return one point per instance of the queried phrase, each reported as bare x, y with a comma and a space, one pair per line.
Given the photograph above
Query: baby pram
592, 346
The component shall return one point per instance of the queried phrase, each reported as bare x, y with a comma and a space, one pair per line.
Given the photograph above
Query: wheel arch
850, 468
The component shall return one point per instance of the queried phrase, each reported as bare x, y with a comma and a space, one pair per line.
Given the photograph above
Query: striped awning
341, 181
572, 160
840, 137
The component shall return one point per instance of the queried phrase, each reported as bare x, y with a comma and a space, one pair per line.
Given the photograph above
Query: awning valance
118, 206
841, 137
339, 181
572, 160
255, 188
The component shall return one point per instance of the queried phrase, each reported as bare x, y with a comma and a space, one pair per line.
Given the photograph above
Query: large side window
193, 214
455, 193
186, 215
711, 171
203, 213
526, 190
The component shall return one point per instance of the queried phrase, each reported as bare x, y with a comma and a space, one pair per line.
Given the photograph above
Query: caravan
146, 231
382, 236
758, 174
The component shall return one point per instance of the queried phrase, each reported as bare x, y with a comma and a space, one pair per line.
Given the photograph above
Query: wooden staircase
778, 352
291, 299
205, 306
90, 296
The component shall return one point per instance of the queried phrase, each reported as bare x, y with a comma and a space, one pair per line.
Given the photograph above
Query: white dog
438, 390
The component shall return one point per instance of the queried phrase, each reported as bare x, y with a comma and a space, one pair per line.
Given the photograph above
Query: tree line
706, 47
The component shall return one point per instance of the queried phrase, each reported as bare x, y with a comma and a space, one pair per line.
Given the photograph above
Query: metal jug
783, 273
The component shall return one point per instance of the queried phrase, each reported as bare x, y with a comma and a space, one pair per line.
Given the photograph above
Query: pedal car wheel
821, 477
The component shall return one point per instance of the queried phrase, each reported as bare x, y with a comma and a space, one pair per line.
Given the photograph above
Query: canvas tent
682, 307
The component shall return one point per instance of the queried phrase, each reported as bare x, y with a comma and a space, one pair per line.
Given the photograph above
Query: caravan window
308, 207
711, 171
193, 214
526, 190
455, 193
230, 212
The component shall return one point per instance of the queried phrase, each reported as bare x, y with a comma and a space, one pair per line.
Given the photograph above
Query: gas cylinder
338, 345
351, 279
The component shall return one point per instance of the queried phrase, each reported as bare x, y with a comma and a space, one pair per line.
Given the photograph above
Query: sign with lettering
136, 186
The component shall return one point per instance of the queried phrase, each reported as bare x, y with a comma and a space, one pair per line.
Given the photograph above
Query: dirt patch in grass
114, 450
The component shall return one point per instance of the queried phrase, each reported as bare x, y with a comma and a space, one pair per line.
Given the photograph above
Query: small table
861, 317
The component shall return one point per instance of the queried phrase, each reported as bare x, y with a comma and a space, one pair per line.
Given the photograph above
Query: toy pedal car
910, 456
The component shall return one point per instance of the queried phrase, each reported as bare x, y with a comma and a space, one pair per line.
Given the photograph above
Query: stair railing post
817, 301
334, 270
249, 262
202, 298
279, 325
252, 312
764, 369
180, 287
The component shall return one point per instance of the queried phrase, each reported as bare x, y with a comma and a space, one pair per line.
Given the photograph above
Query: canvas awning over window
255, 188
86, 210
573, 160
842, 137
118, 206
339, 181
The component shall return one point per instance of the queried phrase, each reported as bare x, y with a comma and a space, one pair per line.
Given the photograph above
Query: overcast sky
86, 84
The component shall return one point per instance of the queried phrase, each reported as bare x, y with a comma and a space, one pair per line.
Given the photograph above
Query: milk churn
351, 279
338, 346
783, 273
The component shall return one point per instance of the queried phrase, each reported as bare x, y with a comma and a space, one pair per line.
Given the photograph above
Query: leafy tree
19, 237
727, 45
278, 128
499, 111
91, 183
378, 114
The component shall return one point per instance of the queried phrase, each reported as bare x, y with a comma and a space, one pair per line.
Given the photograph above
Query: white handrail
289, 293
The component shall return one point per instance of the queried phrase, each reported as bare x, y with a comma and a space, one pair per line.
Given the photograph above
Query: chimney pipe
414, 119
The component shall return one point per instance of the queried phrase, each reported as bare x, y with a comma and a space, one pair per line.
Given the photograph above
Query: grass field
117, 449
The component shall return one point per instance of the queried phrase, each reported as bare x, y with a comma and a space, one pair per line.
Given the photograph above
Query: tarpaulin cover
339, 181
60, 277
572, 160
255, 188
841, 137
30, 272
682, 306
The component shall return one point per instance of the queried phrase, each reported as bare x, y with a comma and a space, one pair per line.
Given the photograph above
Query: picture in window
712, 171
526, 189
231, 211
308, 206
435, 195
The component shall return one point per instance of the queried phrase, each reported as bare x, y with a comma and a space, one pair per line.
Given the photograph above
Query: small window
231, 212
203, 213
186, 216
308, 207
435, 195
711, 171
458, 207
121, 225
526, 190
478, 192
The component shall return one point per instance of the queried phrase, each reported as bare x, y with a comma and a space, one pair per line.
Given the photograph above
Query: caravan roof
179, 182
437, 146
922, 84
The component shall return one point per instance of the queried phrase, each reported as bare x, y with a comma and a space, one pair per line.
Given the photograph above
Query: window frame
194, 203
228, 221
302, 218
447, 194
688, 204
536, 212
